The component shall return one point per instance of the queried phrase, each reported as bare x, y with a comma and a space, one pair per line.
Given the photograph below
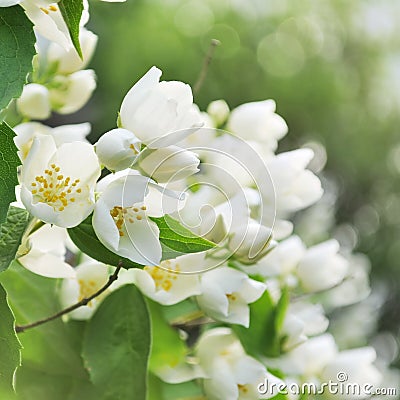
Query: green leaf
10, 347
159, 390
50, 346
155, 389
17, 48
262, 337
178, 240
183, 391
281, 308
86, 240
182, 312
167, 348
261, 329
9, 162
11, 234
71, 10
52, 367
117, 344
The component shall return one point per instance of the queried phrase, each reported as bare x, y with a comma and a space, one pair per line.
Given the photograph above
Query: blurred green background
332, 66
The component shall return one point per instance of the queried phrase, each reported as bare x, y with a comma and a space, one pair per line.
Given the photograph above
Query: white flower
90, 277
233, 164
168, 164
68, 60
159, 113
302, 320
250, 242
226, 294
354, 367
27, 131
282, 261
57, 184
48, 21
121, 216
207, 216
354, 288
72, 92
171, 281
8, 3
46, 253
117, 149
295, 187
218, 110
230, 373
178, 373
322, 267
258, 121
34, 102
309, 358
201, 139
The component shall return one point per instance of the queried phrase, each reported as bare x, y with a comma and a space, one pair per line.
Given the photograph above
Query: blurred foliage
333, 67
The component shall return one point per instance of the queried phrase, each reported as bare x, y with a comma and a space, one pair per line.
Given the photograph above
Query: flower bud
322, 267
69, 60
160, 113
218, 111
117, 149
170, 163
257, 121
250, 242
73, 92
34, 102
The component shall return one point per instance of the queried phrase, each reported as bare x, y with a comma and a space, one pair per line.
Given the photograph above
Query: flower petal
47, 264
141, 244
134, 97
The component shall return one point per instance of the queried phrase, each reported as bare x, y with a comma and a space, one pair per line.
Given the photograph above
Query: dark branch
83, 302
206, 63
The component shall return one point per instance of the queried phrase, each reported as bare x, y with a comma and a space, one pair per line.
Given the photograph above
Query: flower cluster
263, 296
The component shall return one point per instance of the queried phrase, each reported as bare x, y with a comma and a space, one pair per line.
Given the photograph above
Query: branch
206, 63
83, 302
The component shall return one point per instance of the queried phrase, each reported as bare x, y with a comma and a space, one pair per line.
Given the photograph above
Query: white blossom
48, 21
258, 122
282, 261
295, 187
159, 113
218, 110
72, 92
27, 131
354, 367
90, 277
117, 149
230, 373
309, 358
172, 281
322, 267
34, 102
45, 254
302, 320
168, 164
226, 294
68, 60
121, 215
250, 242
57, 184
355, 286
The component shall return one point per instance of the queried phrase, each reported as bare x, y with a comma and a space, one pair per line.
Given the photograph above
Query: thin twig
83, 302
206, 63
